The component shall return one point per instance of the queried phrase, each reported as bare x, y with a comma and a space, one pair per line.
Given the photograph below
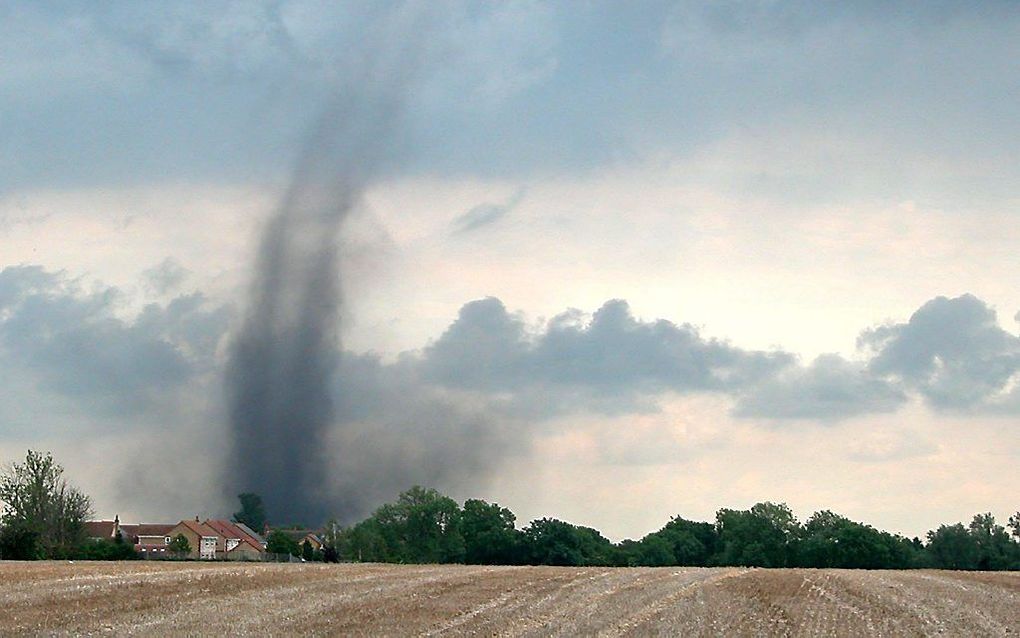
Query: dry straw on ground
314, 599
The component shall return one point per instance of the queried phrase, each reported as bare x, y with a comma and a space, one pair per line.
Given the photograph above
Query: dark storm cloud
72, 341
525, 88
70, 366
952, 351
607, 362
395, 429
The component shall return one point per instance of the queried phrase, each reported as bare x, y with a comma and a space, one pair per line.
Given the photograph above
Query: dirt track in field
265, 599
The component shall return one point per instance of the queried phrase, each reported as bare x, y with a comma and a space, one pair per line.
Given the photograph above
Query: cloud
166, 276
148, 387
485, 214
19, 281
114, 390
493, 366
395, 429
952, 351
525, 89
221, 41
450, 414
72, 343
608, 362
830, 388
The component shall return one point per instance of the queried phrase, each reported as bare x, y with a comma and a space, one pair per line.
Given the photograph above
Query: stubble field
155, 598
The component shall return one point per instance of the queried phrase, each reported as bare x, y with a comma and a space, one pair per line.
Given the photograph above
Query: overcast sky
622, 261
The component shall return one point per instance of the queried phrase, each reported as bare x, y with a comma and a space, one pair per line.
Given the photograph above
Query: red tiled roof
199, 528
224, 529
99, 529
229, 529
153, 529
130, 533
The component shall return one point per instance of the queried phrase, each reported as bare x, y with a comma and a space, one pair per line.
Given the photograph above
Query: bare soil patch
162, 599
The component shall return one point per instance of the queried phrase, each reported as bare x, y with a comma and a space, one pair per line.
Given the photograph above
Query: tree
994, 546
307, 552
179, 545
331, 539
761, 536
679, 542
280, 543
490, 537
17, 542
365, 542
330, 555
553, 542
252, 513
953, 547
39, 501
654, 551
692, 542
423, 526
1014, 525
431, 526
106, 549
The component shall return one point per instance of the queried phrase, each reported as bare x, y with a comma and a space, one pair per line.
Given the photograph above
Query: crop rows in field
369, 599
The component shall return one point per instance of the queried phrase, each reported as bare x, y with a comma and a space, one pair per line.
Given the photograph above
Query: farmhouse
237, 542
212, 539
312, 539
204, 541
152, 539
148, 538
103, 530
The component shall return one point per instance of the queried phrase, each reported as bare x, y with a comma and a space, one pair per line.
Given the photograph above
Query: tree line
43, 517
424, 526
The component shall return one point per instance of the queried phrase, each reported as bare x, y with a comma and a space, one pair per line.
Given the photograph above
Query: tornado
283, 357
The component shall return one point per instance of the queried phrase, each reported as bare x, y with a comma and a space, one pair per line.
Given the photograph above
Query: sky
607, 262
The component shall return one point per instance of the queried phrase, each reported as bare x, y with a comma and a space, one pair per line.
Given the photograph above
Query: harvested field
155, 598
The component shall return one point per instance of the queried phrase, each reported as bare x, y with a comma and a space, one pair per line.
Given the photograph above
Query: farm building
148, 538
238, 543
204, 541
152, 539
212, 539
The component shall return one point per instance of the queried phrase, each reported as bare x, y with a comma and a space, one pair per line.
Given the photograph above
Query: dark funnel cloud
283, 359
